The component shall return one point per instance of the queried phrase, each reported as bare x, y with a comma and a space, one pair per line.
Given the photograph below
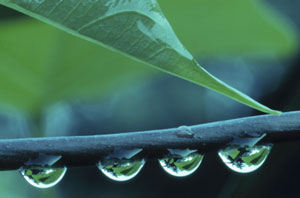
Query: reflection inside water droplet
181, 163
245, 160
122, 165
43, 177
121, 170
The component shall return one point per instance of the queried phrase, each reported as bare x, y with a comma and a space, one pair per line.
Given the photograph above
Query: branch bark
88, 150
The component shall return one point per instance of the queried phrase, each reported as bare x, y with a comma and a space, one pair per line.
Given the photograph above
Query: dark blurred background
163, 101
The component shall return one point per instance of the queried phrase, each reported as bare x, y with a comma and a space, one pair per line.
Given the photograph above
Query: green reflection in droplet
245, 160
43, 177
121, 169
181, 163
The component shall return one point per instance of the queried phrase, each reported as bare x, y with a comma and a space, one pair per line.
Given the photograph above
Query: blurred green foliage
41, 65
231, 28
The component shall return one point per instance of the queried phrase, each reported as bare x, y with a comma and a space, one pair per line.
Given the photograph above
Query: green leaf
38, 70
136, 28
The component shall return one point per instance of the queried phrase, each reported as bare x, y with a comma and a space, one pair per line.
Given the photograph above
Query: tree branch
88, 150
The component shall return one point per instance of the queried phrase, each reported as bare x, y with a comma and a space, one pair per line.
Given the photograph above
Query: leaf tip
274, 112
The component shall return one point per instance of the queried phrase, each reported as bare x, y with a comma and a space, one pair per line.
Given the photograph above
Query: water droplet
43, 177
181, 163
245, 160
122, 165
121, 169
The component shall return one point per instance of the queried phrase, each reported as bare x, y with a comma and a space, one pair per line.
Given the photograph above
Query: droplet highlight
43, 177
245, 159
180, 162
